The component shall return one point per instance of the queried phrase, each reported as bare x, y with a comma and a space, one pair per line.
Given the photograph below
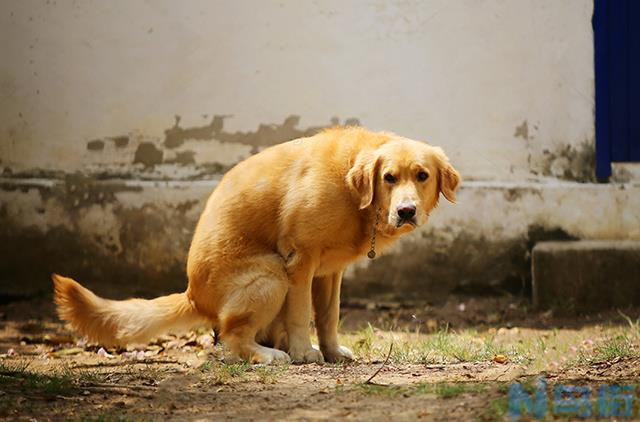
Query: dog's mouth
402, 221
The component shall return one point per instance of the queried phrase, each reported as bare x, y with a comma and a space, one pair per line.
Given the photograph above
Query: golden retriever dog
271, 245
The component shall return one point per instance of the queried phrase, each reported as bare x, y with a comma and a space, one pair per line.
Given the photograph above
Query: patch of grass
364, 342
537, 349
223, 373
269, 374
619, 346
18, 376
447, 347
444, 390
235, 369
412, 347
633, 325
87, 377
8, 368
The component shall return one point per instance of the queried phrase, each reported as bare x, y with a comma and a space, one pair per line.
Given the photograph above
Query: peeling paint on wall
148, 154
176, 135
265, 135
95, 145
189, 153
184, 158
522, 131
570, 163
99, 144
120, 141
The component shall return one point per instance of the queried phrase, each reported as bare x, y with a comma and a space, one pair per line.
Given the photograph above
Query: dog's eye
422, 176
389, 178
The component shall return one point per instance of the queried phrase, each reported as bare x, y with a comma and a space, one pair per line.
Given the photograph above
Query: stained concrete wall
506, 87
117, 119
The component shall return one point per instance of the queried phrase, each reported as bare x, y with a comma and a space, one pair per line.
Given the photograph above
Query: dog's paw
306, 356
338, 354
266, 355
259, 355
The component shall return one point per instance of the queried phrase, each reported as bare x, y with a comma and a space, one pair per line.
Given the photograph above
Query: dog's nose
406, 211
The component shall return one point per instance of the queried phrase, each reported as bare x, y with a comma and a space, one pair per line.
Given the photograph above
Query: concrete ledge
586, 275
125, 237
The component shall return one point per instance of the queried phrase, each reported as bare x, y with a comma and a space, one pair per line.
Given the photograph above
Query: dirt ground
452, 362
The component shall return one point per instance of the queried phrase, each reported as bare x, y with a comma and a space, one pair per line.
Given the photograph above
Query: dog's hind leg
251, 306
275, 334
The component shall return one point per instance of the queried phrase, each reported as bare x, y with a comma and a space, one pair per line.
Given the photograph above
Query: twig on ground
435, 366
127, 391
116, 386
127, 363
369, 381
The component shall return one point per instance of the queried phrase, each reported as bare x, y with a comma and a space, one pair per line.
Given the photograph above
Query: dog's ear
449, 182
361, 178
448, 177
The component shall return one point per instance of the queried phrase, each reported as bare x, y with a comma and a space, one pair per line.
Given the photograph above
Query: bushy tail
121, 322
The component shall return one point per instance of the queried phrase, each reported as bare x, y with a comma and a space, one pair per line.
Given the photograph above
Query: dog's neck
379, 234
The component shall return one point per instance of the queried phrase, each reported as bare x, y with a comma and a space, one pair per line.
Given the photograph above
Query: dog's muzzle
406, 214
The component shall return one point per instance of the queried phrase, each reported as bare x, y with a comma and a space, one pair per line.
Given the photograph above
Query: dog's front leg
298, 314
326, 304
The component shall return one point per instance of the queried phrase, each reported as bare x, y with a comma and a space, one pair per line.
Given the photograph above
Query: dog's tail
121, 322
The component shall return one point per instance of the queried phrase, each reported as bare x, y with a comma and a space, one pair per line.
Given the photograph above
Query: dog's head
403, 179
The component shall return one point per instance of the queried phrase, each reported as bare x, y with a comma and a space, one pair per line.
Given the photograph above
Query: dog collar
372, 252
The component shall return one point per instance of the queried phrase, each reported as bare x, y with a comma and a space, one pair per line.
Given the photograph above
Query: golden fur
273, 241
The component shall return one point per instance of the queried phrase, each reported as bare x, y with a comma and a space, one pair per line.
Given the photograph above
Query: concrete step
586, 275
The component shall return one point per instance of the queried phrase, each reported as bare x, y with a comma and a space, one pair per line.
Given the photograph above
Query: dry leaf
67, 352
500, 359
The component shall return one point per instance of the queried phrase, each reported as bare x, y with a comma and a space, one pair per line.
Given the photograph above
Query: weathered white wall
100, 180
495, 82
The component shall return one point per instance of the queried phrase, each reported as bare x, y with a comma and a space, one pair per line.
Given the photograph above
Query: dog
273, 241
